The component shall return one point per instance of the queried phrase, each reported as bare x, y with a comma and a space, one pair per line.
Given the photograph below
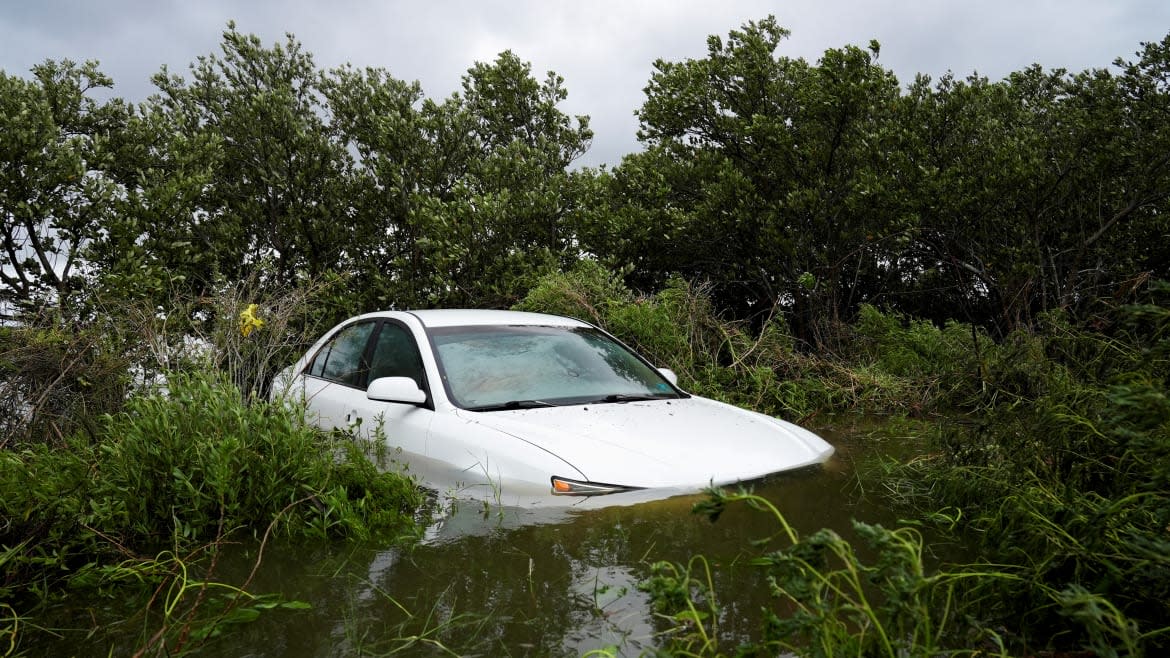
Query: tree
155, 242
1041, 191
774, 172
502, 224
466, 199
278, 186
377, 118
55, 195
817, 187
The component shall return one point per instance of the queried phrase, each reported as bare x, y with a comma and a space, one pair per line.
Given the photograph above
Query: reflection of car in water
503, 403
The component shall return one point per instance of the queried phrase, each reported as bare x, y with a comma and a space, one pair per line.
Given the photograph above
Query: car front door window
342, 360
336, 377
396, 355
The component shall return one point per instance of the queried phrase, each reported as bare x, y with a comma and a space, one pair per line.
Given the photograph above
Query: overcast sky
603, 49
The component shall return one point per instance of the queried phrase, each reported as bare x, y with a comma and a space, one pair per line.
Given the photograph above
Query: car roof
451, 317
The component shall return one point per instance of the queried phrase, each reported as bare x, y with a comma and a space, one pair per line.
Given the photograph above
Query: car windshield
508, 367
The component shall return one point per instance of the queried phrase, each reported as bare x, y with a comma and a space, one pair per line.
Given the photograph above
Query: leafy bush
1066, 472
678, 328
829, 600
228, 464
56, 381
946, 361
898, 370
192, 465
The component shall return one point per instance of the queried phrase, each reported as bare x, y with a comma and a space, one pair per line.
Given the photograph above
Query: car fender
464, 454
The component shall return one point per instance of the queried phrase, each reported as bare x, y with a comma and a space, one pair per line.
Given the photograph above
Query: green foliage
677, 328
944, 368
763, 175
1066, 472
191, 465
817, 187
833, 598
55, 142
260, 165
196, 459
829, 599
485, 213
778, 204
438, 629
894, 369
278, 186
796, 189
160, 240
582, 292
99, 467
906, 347
55, 382
477, 184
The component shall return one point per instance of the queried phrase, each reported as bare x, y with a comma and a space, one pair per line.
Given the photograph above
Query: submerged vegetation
1065, 471
830, 601
148, 501
151, 497
985, 260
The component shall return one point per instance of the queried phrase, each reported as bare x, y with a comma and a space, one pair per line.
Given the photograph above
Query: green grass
147, 501
829, 601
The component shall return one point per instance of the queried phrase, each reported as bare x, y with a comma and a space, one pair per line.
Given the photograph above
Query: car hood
689, 442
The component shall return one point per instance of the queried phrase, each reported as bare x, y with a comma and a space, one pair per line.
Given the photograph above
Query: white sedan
503, 405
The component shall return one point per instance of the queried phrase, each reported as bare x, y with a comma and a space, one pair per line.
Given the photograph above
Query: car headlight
567, 487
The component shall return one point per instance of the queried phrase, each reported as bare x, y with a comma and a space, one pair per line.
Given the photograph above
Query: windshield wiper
634, 397
512, 404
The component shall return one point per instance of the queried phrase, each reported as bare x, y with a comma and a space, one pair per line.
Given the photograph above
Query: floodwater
493, 581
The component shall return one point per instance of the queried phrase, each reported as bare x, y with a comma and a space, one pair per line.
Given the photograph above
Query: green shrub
947, 365
829, 600
676, 327
898, 370
178, 469
56, 381
1064, 470
583, 292
197, 458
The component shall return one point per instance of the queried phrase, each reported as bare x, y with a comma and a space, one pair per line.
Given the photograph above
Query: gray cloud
603, 49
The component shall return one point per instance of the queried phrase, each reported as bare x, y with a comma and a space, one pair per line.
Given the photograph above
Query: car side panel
403, 426
326, 402
482, 460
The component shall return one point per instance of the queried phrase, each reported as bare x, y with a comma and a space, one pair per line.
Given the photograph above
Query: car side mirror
669, 375
396, 389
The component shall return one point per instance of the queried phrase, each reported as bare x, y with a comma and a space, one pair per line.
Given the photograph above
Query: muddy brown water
493, 581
